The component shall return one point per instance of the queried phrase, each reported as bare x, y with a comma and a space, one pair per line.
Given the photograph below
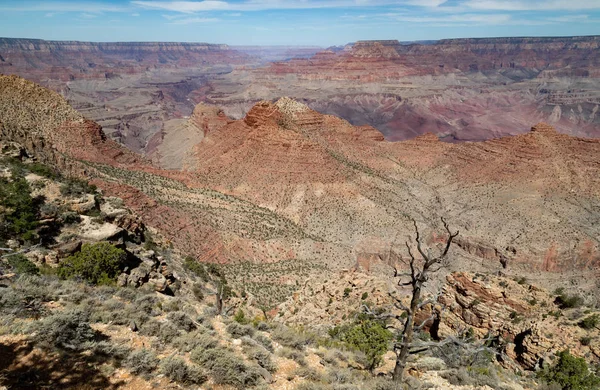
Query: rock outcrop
526, 317
290, 184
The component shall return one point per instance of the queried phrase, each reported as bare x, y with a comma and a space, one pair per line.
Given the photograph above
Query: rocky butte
459, 89
288, 183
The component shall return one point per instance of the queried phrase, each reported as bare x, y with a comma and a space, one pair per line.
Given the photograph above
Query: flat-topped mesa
376, 49
41, 60
8, 45
576, 41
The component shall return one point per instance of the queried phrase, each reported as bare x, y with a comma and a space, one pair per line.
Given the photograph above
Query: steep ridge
132, 89
69, 60
515, 191
47, 125
288, 184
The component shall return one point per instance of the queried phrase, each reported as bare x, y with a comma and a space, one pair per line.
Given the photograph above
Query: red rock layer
383, 60
39, 60
295, 184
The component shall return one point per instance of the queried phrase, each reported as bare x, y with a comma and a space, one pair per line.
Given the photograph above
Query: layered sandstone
290, 184
70, 60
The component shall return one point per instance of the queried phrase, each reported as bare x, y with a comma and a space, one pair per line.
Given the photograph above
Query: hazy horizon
304, 22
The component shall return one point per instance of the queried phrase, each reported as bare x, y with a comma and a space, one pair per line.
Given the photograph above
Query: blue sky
294, 22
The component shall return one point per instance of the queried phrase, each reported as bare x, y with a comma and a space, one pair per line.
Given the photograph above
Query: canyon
458, 89
288, 184
265, 200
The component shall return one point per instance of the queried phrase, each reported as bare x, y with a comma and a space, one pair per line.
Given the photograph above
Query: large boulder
68, 248
84, 204
92, 231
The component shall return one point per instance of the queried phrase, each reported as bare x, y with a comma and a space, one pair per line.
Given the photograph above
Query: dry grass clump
178, 370
227, 368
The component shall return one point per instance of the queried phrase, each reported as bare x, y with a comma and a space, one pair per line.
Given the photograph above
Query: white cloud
135, 14
194, 20
63, 6
261, 5
495, 19
532, 5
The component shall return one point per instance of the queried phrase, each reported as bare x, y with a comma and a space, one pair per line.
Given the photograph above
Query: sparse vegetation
590, 322
96, 263
21, 265
367, 336
226, 368
565, 301
76, 187
67, 330
570, 373
178, 370
142, 362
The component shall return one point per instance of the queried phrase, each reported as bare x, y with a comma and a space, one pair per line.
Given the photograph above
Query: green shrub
367, 336
142, 362
238, 330
589, 322
290, 338
347, 291
226, 368
240, 317
294, 355
70, 329
20, 209
206, 341
76, 187
265, 342
96, 263
196, 267
42, 170
586, 340
364, 296
110, 350
178, 370
522, 280
70, 217
181, 320
262, 357
570, 372
21, 265
565, 301
198, 291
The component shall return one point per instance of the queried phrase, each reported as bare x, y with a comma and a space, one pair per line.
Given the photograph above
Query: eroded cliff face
287, 183
461, 90
39, 60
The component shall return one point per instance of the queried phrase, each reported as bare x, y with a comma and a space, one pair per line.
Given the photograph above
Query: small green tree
571, 373
589, 322
96, 263
19, 208
21, 265
367, 336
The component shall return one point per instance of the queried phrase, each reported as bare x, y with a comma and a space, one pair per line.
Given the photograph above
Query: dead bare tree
415, 278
